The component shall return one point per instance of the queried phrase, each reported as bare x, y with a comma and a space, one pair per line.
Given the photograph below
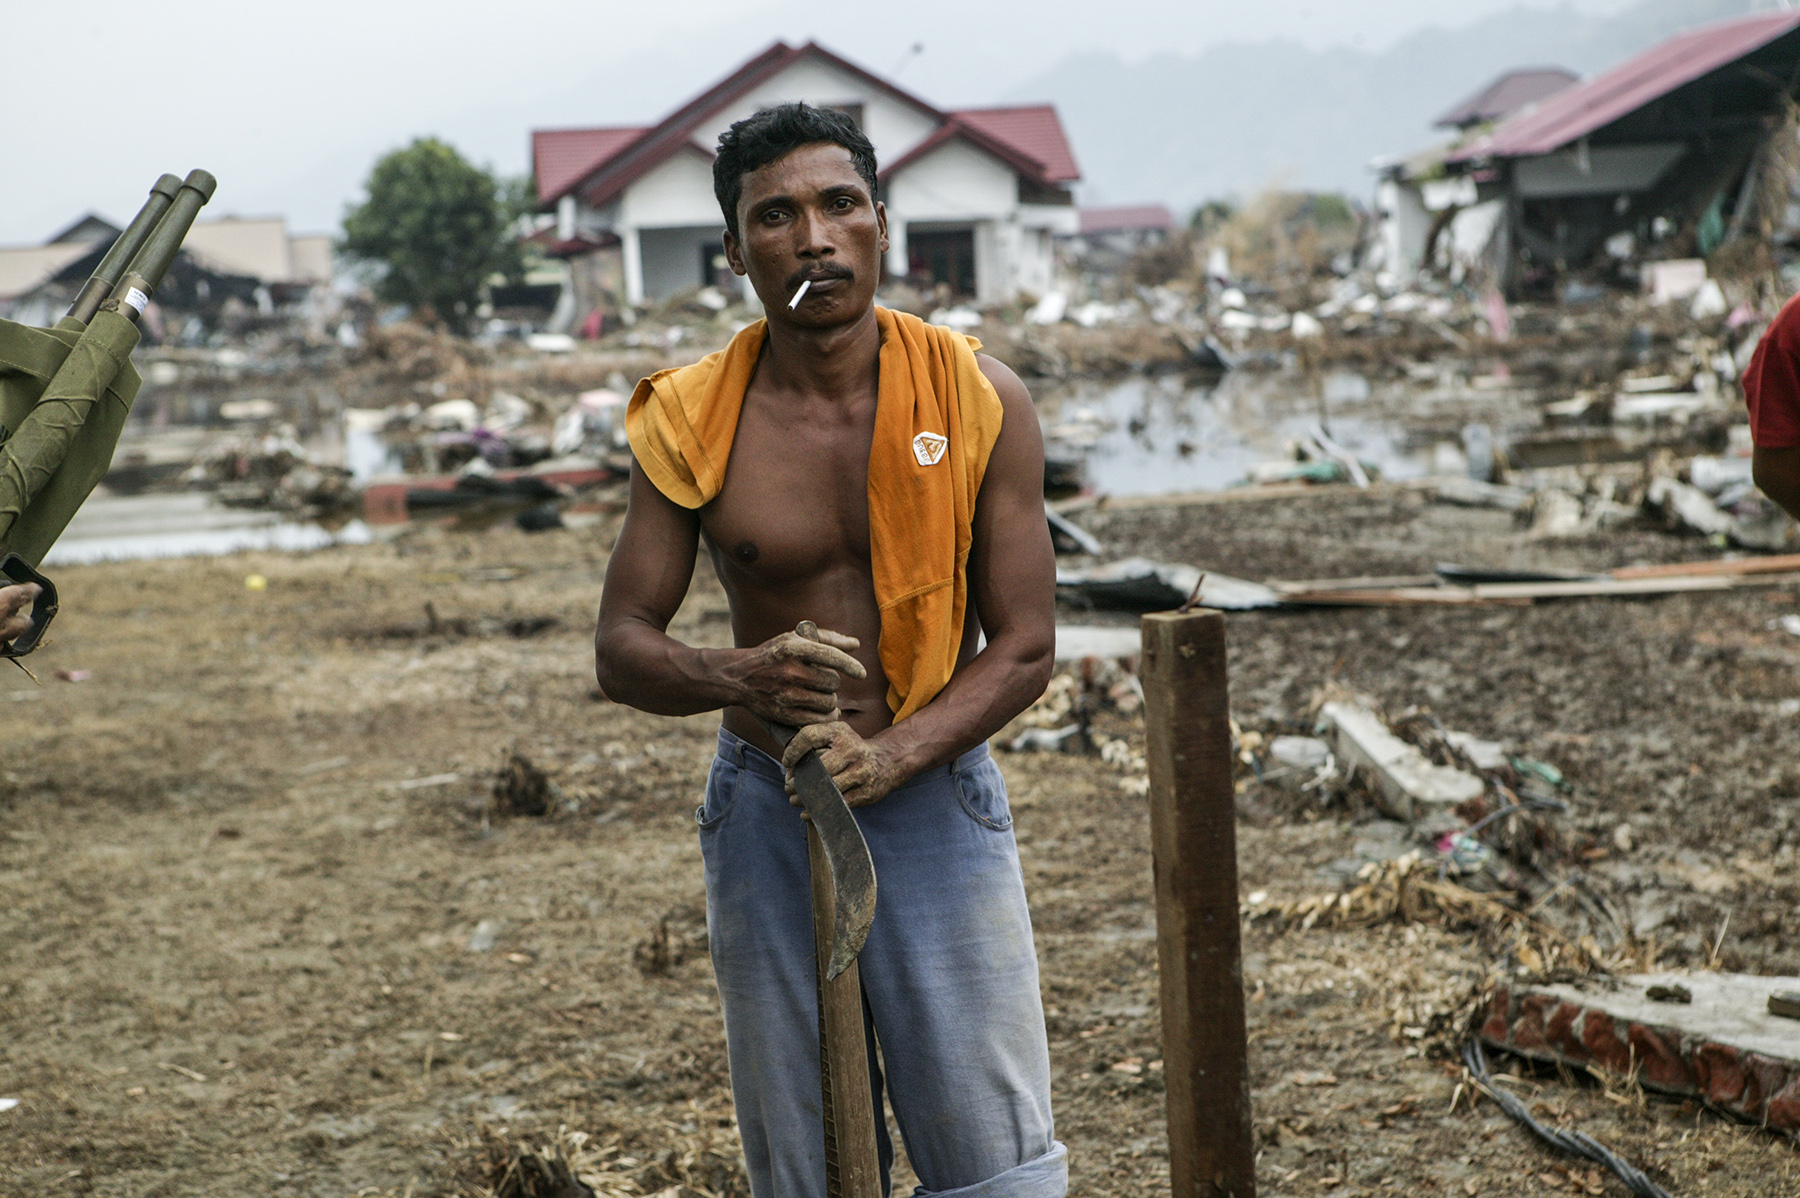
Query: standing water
1165, 434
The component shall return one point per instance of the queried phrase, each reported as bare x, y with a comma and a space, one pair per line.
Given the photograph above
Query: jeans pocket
721, 794
982, 792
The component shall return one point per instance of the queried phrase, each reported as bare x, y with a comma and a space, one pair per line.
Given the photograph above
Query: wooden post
1193, 835
851, 1167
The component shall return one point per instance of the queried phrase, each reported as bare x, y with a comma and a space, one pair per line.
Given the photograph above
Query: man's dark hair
771, 133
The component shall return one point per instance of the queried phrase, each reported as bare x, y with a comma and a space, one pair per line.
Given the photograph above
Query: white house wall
891, 125
1034, 266
671, 258
662, 219
1059, 220
954, 182
676, 192
1472, 234
1404, 225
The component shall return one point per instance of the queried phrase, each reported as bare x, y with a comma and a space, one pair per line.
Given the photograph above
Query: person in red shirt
1772, 393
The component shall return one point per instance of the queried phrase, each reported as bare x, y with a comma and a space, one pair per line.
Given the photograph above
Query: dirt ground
263, 929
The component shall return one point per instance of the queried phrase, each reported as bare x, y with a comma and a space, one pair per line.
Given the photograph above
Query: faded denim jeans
950, 982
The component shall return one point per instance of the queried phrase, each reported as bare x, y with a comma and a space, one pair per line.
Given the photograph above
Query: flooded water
132, 527
1147, 436
1133, 436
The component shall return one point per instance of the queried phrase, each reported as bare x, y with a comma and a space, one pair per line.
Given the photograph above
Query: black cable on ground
1572, 1142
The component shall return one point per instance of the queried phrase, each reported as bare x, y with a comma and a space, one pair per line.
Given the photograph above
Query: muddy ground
263, 929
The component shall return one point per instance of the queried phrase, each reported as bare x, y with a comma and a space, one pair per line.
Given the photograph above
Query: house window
942, 256
853, 111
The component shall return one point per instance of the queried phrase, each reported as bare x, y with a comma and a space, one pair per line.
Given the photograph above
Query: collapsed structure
255, 260
974, 197
1686, 145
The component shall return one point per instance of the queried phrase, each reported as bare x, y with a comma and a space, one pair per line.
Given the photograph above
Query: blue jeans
950, 982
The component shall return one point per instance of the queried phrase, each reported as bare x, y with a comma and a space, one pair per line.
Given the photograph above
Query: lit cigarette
799, 295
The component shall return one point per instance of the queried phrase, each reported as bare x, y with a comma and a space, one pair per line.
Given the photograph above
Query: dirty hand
862, 769
794, 681
15, 609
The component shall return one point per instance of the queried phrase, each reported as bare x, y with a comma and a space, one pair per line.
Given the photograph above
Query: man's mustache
818, 274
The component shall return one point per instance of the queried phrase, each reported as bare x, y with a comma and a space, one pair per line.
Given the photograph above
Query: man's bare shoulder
1019, 450
1007, 385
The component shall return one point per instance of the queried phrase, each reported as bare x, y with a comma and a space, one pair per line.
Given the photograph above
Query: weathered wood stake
1193, 835
851, 1167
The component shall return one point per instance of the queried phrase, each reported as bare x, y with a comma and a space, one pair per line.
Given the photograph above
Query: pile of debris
274, 472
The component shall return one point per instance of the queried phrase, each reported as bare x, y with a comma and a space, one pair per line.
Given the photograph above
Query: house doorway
945, 256
715, 268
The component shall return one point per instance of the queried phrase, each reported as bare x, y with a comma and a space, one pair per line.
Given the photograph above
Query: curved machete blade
846, 852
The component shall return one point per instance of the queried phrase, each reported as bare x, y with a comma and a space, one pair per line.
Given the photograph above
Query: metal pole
1193, 837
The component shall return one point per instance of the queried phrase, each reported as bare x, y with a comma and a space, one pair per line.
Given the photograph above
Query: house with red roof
1669, 146
974, 197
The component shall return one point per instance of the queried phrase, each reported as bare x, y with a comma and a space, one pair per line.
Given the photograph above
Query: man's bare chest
795, 501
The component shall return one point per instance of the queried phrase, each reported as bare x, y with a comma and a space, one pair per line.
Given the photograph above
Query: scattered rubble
1409, 786
521, 788
1703, 1035
1138, 584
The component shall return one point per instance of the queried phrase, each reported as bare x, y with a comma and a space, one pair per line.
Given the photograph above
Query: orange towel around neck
936, 419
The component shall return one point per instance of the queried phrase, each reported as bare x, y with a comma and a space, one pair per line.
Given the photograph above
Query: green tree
437, 227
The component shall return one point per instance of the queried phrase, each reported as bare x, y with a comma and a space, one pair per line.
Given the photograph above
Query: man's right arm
788, 680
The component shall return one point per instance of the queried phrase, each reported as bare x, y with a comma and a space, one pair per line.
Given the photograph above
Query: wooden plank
1516, 593
1600, 586
1777, 564
1193, 832
851, 1168
1389, 597
1297, 586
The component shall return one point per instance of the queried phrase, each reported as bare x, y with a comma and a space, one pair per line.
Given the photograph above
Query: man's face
808, 216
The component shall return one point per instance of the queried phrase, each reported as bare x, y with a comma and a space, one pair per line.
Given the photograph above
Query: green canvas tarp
75, 424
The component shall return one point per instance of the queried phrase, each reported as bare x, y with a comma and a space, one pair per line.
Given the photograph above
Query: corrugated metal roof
560, 158
1506, 95
1034, 130
1580, 110
1131, 219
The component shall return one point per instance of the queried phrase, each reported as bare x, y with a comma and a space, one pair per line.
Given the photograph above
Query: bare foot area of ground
266, 927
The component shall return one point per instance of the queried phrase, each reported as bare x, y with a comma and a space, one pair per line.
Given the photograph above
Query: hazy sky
289, 104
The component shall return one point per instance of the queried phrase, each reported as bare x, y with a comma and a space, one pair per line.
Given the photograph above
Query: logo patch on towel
929, 448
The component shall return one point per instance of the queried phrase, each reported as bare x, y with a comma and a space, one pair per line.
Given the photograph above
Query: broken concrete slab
1482, 754
1076, 641
1468, 492
1686, 506
1723, 1044
1407, 786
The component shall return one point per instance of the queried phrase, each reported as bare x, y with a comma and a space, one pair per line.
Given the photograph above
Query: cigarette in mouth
799, 295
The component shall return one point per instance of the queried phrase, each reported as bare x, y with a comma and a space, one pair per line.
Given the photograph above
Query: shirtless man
949, 973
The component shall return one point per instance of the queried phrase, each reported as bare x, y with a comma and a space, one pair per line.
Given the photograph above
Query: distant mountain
1236, 119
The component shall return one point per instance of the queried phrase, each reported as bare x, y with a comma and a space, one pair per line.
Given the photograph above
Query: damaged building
975, 197
254, 261
1677, 147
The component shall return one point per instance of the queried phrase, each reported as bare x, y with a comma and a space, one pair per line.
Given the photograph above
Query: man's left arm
1012, 590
